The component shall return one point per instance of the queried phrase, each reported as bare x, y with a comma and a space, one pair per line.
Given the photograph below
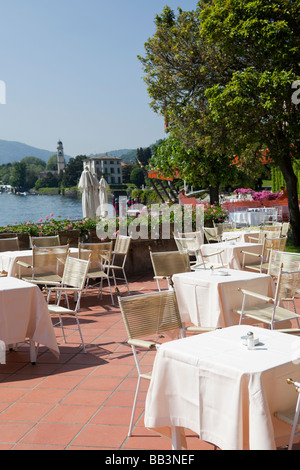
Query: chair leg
80, 332
134, 406
294, 424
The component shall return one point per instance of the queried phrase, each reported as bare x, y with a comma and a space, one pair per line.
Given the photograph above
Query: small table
8, 261
232, 256
207, 299
212, 384
24, 315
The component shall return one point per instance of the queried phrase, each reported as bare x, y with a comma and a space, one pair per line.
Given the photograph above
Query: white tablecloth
24, 314
232, 256
209, 300
249, 217
227, 394
8, 261
244, 236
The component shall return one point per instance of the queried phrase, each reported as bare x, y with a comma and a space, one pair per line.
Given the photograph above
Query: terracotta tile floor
81, 401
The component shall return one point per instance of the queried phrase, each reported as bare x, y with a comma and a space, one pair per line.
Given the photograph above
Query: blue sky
71, 73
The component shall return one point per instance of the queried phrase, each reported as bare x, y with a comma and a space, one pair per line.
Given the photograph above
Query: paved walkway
82, 401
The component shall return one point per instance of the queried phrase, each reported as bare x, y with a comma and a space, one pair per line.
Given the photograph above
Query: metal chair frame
167, 263
73, 281
150, 316
270, 311
292, 416
120, 251
100, 255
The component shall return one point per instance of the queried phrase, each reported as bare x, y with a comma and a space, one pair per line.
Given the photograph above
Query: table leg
176, 438
32, 352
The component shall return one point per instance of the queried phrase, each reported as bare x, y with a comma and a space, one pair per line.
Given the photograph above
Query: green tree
73, 171
144, 155
180, 65
259, 43
126, 172
52, 163
34, 166
18, 176
137, 177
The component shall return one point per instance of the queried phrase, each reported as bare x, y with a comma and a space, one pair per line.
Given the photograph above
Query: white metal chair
100, 255
9, 244
167, 263
47, 265
119, 256
191, 246
213, 234
150, 316
261, 260
268, 309
292, 416
73, 281
51, 240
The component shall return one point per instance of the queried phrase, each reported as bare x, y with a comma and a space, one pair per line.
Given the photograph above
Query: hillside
11, 152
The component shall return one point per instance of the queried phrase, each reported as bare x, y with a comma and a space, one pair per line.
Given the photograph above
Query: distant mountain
11, 152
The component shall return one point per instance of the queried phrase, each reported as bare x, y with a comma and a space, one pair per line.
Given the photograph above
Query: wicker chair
8, 244
100, 255
73, 281
150, 316
261, 260
292, 416
167, 263
47, 265
51, 240
192, 246
213, 234
119, 256
268, 309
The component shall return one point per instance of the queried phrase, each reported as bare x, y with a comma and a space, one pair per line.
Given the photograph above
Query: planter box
23, 239
71, 237
138, 259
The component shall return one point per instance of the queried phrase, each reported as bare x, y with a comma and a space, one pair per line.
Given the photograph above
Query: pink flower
51, 215
41, 220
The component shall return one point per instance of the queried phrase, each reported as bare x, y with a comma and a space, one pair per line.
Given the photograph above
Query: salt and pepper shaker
250, 340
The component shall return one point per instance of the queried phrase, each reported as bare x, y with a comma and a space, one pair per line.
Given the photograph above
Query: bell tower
60, 157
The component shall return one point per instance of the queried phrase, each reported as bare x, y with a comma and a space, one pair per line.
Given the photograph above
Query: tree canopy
222, 76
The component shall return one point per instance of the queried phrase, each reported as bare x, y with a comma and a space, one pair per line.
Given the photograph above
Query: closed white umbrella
87, 186
103, 196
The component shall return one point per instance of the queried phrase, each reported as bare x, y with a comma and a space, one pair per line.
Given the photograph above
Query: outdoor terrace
81, 401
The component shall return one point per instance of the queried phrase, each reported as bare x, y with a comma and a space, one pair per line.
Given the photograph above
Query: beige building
104, 165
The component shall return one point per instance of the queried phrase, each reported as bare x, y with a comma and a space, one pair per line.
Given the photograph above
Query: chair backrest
199, 235
9, 244
51, 240
48, 256
273, 243
150, 314
268, 234
213, 233
99, 254
271, 228
75, 272
167, 263
288, 285
189, 245
285, 228
289, 262
122, 244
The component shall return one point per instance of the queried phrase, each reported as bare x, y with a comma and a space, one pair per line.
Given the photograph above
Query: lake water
17, 208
